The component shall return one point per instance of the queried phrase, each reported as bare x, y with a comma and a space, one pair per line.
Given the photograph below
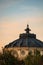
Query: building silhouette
27, 42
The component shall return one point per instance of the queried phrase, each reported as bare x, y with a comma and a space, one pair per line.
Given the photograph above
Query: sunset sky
14, 17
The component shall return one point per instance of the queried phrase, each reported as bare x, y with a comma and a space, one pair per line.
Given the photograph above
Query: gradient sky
16, 14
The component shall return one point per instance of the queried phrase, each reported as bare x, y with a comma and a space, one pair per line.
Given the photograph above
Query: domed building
27, 42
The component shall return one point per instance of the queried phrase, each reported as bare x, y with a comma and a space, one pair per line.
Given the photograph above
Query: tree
33, 59
37, 57
29, 59
7, 59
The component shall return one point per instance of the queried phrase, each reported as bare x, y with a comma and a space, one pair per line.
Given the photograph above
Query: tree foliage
6, 58
35, 59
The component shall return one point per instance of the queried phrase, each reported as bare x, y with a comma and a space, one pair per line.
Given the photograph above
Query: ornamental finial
27, 29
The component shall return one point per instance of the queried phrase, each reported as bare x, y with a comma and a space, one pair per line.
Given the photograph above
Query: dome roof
26, 40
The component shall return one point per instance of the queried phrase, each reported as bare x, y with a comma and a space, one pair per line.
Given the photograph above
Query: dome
26, 40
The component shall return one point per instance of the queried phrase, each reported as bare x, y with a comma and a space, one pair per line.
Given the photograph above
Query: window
14, 52
22, 52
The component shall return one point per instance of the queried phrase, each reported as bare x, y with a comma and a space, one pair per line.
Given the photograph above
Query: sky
14, 17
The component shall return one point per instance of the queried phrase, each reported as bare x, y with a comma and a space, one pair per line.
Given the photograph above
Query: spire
27, 29
27, 26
